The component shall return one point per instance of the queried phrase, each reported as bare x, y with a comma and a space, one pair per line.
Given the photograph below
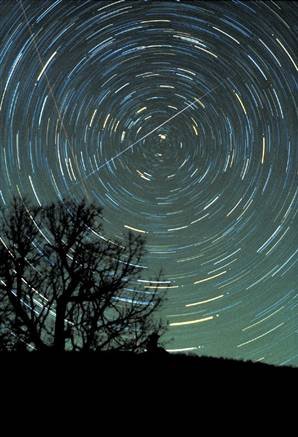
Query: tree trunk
59, 340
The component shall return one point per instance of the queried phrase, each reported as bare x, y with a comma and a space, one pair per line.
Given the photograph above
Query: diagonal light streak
153, 130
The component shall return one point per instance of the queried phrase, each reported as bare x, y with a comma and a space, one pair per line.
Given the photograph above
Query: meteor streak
152, 131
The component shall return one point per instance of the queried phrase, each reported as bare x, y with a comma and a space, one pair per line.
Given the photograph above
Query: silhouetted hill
130, 376
162, 361
191, 363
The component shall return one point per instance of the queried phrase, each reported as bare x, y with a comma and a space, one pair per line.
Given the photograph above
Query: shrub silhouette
64, 287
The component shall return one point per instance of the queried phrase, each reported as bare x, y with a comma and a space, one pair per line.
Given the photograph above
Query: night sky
180, 119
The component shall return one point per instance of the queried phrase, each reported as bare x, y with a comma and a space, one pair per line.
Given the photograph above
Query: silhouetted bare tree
65, 287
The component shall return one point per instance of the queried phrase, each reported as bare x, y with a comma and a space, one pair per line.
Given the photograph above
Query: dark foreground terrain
125, 379
154, 361
166, 361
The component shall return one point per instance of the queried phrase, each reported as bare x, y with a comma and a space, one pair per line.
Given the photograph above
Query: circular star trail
180, 119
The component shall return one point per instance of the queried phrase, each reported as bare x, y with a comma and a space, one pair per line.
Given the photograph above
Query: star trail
180, 119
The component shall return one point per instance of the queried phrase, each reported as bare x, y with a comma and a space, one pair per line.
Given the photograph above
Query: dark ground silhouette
143, 361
